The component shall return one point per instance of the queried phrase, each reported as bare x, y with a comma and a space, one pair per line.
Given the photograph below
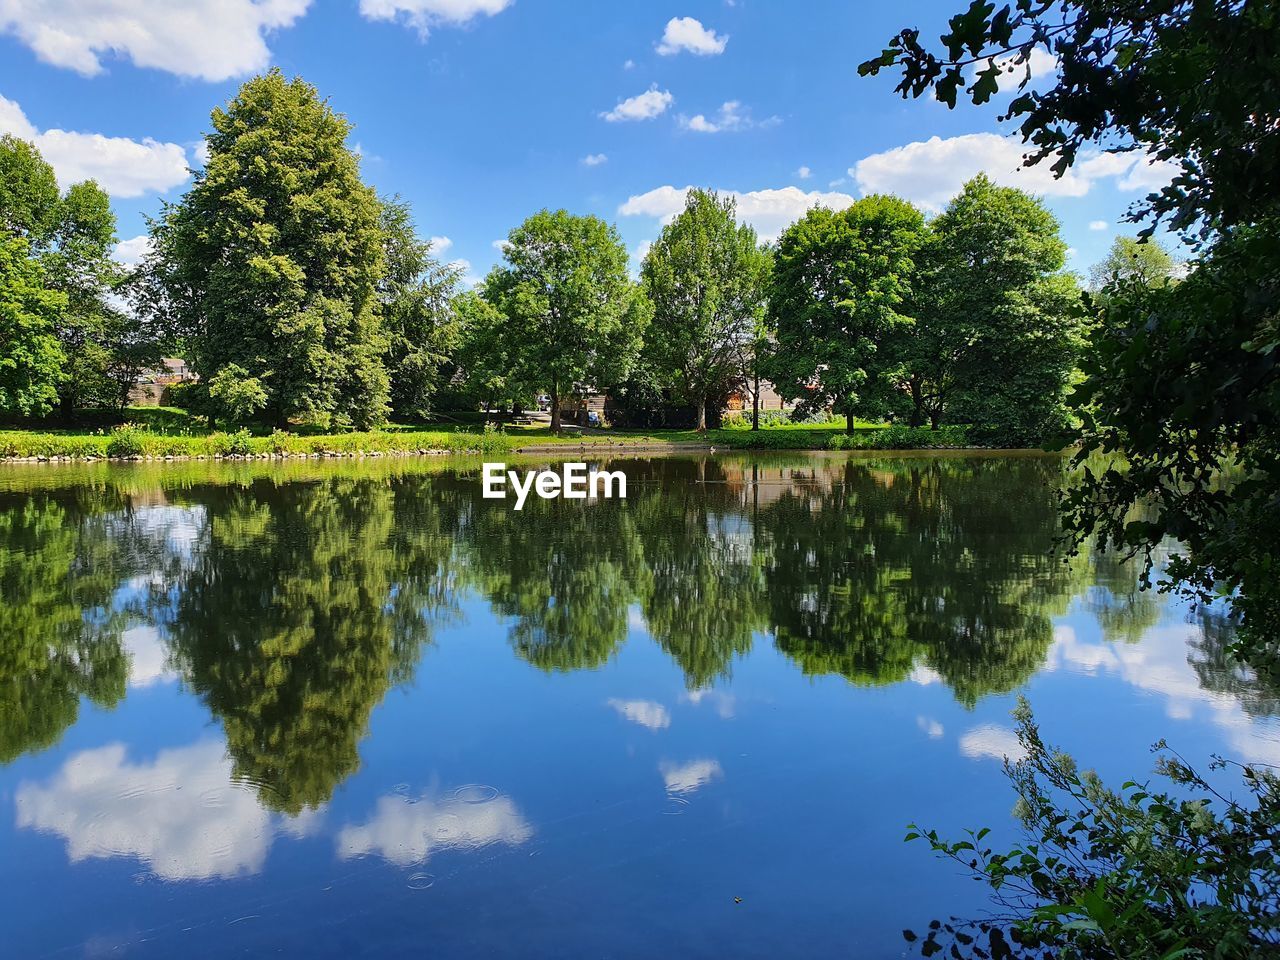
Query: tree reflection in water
298, 594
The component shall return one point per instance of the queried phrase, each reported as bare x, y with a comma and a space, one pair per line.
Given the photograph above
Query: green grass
159, 432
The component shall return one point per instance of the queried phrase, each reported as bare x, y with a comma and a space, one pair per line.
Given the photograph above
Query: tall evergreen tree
273, 259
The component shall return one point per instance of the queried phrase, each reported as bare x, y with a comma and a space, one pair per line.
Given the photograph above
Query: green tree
1137, 260
705, 277
31, 363
273, 259
422, 330
1183, 380
29, 196
72, 237
1000, 330
842, 283
97, 337
236, 396
487, 357
574, 316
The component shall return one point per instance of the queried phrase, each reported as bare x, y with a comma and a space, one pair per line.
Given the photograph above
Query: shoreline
560, 450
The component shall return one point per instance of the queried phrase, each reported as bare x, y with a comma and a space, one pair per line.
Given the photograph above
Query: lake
352, 709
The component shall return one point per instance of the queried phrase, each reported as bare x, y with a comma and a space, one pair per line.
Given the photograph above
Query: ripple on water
420, 881
475, 793
675, 806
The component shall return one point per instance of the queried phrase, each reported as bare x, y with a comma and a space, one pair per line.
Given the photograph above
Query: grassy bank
164, 433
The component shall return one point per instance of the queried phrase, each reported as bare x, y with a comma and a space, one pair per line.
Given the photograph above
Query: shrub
279, 441
1135, 873
127, 440
902, 438
240, 443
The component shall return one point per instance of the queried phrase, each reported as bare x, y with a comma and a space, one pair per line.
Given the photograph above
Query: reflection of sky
1158, 667
405, 830
791, 792
180, 813
148, 656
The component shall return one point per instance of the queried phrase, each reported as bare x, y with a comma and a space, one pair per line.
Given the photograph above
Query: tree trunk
917, 404
935, 417
848, 418
755, 403
555, 408
702, 414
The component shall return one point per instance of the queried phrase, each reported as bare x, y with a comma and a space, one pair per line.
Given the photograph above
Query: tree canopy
705, 277
574, 315
841, 291
1183, 379
273, 258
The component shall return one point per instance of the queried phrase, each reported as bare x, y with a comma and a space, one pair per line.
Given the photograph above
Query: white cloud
464, 269
426, 15
691, 776
1042, 63
731, 117
439, 244
122, 167
769, 211
209, 39
182, 814
594, 159
629, 65
688, 34
1098, 224
993, 741
931, 172
643, 106
131, 252
804, 173
200, 151
405, 830
646, 713
1149, 175
1133, 171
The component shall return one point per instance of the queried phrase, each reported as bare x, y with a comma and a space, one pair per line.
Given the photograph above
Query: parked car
544, 402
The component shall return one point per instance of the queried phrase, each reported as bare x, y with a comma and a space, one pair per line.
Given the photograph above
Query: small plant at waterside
240, 443
127, 440
1138, 874
903, 438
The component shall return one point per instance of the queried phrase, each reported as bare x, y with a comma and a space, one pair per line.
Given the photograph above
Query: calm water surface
355, 710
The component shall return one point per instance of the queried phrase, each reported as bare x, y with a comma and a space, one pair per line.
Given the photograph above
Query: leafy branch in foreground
1133, 873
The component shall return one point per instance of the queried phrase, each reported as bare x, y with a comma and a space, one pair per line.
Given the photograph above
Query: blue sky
480, 112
